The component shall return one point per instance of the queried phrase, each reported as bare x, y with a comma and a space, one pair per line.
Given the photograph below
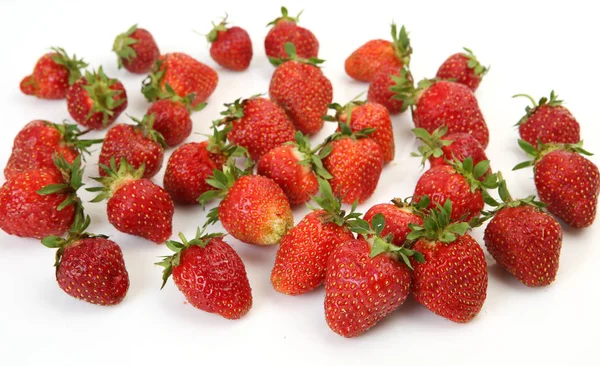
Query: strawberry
548, 121
40, 202
52, 75
300, 88
95, 101
89, 267
257, 124
220, 284
135, 206
452, 280
355, 163
285, 29
36, 144
378, 55
398, 215
303, 252
463, 68
565, 180
253, 210
231, 47
136, 50
436, 103
184, 74
380, 93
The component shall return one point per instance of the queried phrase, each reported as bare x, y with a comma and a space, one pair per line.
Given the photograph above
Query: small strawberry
379, 89
378, 55
303, 252
398, 215
463, 68
285, 29
135, 206
95, 101
52, 75
566, 181
139, 144
184, 74
300, 88
220, 284
230, 47
136, 50
548, 121
89, 267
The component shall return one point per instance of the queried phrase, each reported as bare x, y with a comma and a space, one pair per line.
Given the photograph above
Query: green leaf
53, 241
528, 148
522, 165
52, 188
481, 168
458, 228
379, 246
468, 164
378, 223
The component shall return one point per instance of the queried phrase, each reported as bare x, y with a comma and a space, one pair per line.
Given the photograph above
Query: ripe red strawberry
355, 163
303, 252
452, 280
135, 206
378, 55
258, 125
95, 100
89, 267
52, 75
398, 215
300, 88
437, 103
136, 50
220, 284
286, 30
36, 144
566, 181
379, 89
548, 121
254, 209
184, 74
139, 144
463, 68
230, 47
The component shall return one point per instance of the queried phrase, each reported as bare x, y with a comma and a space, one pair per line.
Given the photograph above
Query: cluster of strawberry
369, 264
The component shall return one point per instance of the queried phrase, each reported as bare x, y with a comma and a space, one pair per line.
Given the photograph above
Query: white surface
532, 49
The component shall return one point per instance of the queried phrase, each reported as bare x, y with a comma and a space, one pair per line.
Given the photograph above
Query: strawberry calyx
332, 205
472, 174
405, 90
214, 32
285, 17
313, 157
188, 100
432, 143
146, 127
72, 64
115, 178
537, 153
437, 226
290, 50
217, 144
234, 111
342, 110
103, 97
474, 64
151, 84
408, 204
401, 44
553, 101
70, 134
122, 46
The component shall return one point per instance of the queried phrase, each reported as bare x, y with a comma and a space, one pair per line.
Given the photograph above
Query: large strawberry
136, 50
135, 206
285, 29
231, 47
463, 68
548, 121
380, 89
184, 74
95, 100
398, 215
303, 252
565, 180
210, 274
52, 75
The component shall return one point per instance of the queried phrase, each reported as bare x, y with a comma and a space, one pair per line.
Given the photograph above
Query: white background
532, 47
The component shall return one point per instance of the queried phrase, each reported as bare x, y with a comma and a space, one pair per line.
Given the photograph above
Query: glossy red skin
146, 50
80, 104
360, 291
256, 211
263, 127
526, 242
187, 170
25, 213
306, 43
142, 208
49, 80
93, 270
214, 279
457, 67
33, 148
569, 184
453, 280
356, 166
303, 92
396, 221
443, 182
301, 260
172, 120
232, 49
464, 146
126, 141
454, 105
297, 181
550, 125
379, 90
371, 58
